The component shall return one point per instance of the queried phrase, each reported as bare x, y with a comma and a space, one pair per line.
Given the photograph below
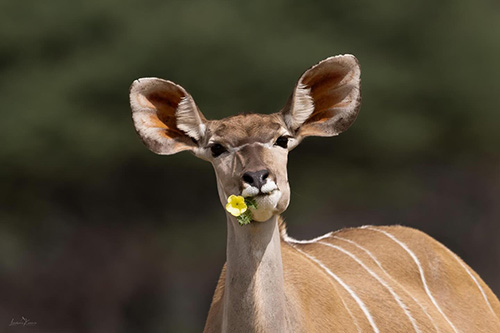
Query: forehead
246, 128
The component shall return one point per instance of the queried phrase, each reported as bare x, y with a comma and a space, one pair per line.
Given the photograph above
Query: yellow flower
236, 205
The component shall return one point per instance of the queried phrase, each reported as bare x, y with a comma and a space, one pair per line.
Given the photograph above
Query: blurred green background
96, 233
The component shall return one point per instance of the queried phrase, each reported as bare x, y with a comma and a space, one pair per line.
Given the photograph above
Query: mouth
263, 195
253, 192
266, 199
266, 205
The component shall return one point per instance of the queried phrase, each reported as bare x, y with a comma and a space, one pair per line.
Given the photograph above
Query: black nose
257, 178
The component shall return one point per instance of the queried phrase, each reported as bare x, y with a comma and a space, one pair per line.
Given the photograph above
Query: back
398, 279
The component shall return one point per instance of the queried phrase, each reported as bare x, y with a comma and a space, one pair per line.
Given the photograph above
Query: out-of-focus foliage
94, 236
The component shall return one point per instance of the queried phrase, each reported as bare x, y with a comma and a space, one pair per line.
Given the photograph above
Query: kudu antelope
368, 279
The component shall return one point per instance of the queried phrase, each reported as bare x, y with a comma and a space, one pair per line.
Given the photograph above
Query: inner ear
165, 116
326, 99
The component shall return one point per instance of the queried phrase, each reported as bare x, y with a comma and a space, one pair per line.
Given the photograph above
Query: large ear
326, 99
165, 116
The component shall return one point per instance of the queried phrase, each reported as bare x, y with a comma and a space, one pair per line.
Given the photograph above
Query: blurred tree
91, 237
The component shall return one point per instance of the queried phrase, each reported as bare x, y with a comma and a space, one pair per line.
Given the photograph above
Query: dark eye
282, 142
217, 149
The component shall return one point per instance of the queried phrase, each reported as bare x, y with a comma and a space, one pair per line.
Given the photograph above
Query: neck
254, 298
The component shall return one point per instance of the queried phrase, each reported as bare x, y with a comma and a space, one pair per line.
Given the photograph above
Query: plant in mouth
238, 206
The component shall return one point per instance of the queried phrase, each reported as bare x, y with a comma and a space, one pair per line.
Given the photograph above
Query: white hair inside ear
326, 98
303, 107
165, 116
189, 119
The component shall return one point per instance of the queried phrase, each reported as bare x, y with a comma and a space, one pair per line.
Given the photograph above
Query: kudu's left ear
326, 99
165, 116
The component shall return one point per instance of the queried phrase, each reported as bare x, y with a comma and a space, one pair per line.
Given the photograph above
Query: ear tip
145, 84
137, 83
347, 59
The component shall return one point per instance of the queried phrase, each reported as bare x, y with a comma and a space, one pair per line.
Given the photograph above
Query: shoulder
398, 234
397, 249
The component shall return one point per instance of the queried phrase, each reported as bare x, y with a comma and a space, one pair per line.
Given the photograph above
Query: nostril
255, 178
247, 178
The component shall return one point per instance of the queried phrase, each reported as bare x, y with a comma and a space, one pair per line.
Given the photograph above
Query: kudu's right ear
326, 99
165, 116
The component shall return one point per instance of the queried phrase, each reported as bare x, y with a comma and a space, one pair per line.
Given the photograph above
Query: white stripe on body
389, 276
346, 287
314, 240
472, 277
381, 281
354, 320
420, 269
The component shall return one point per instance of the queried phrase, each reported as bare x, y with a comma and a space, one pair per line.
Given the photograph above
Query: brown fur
244, 128
319, 297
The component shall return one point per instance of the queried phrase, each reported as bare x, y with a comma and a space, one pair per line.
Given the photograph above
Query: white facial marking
268, 187
266, 206
238, 148
267, 145
249, 191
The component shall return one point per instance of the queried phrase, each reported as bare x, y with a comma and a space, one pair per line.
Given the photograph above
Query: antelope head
249, 151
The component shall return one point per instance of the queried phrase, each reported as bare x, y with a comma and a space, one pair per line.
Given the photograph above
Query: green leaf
251, 203
245, 218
